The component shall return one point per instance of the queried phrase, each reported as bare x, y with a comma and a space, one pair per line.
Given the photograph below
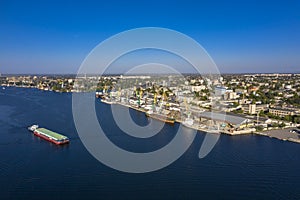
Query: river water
239, 167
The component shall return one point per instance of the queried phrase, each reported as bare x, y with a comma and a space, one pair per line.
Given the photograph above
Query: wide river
239, 167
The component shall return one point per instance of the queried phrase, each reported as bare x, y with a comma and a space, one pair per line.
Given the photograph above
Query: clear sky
241, 36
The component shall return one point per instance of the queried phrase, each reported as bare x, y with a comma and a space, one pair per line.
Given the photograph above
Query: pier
282, 134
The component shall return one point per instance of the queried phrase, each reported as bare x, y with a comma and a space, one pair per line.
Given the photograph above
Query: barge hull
160, 118
49, 139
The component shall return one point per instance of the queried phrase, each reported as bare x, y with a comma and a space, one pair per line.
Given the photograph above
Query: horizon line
118, 74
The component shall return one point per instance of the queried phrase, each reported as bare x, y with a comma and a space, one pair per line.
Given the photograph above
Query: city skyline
51, 38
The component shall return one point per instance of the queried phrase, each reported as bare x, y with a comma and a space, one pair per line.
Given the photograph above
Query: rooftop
232, 119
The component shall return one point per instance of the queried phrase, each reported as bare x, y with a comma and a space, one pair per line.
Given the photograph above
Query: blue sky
241, 36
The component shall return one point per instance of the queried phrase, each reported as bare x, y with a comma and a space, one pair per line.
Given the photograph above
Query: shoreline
197, 128
34, 87
280, 134
194, 126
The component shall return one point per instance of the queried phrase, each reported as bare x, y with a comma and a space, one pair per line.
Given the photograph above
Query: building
231, 96
282, 112
252, 109
220, 90
3, 80
240, 91
256, 108
253, 89
198, 88
226, 120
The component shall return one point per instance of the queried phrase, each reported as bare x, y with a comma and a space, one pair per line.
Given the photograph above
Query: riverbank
282, 134
38, 88
195, 126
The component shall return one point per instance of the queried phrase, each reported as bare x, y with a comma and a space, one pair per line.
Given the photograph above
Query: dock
282, 134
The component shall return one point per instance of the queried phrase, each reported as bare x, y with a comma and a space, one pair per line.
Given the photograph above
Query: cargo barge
49, 135
159, 117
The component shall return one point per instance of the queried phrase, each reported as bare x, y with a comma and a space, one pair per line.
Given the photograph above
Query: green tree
281, 125
259, 128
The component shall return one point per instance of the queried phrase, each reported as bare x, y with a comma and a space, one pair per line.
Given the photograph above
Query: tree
288, 118
296, 119
262, 113
275, 124
281, 125
236, 104
259, 128
203, 98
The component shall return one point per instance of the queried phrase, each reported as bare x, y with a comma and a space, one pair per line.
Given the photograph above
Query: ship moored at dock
160, 117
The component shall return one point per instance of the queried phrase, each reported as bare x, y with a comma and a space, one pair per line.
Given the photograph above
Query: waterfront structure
223, 120
160, 117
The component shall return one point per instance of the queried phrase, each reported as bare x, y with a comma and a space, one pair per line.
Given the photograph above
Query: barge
48, 135
160, 117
